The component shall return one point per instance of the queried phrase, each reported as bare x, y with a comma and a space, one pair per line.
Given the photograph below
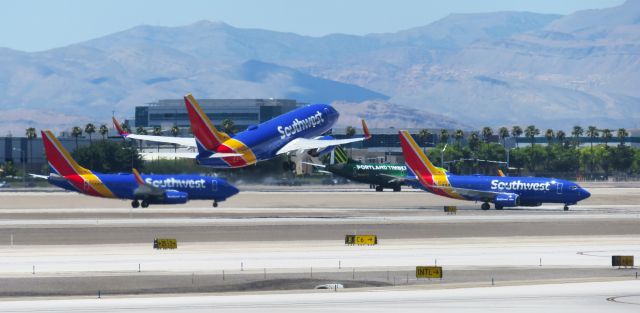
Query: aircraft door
559, 185
214, 185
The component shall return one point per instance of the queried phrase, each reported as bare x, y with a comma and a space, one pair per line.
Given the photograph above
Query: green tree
576, 133
228, 126
474, 141
458, 135
76, 132
622, 135
516, 132
141, 131
444, 136
175, 131
157, 131
31, 135
531, 132
487, 132
549, 135
424, 134
561, 136
592, 133
606, 136
350, 132
90, 129
103, 131
126, 127
109, 156
503, 132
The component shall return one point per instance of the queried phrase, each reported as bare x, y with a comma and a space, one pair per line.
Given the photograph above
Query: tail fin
59, 158
501, 173
365, 130
416, 160
208, 138
340, 155
119, 127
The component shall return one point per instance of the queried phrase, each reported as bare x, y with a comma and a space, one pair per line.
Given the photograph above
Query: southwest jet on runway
299, 130
142, 189
500, 190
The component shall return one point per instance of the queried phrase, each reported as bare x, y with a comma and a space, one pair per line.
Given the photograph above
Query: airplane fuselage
531, 191
261, 142
123, 186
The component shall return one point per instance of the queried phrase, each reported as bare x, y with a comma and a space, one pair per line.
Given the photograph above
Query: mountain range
463, 71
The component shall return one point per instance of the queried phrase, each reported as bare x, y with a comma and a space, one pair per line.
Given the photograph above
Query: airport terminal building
243, 112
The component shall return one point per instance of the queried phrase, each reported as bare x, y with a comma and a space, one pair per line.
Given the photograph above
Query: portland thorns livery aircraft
300, 130
500, 190
142, 189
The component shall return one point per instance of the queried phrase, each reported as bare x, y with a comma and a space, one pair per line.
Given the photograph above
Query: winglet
118, 127
365, 130
137, 176
500, 173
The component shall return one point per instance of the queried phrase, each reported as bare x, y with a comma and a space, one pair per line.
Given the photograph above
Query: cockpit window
574, 187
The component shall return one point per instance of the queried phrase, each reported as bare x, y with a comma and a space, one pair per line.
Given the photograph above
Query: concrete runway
78, 244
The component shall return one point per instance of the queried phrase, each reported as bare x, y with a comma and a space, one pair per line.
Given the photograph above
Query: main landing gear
397, 189
379, 189
566, 207
135, 204
215, 204
485, 206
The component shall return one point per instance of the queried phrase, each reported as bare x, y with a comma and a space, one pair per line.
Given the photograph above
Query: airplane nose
232, 190
584, 193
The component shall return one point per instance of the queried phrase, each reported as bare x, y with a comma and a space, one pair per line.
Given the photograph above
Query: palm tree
350, 132
549, 135
474, 140
487, 132
503, 132
576, 133
458, 135
561, 136
516, 131
423, 134
157, 131
592, 132
444, 135
606, 136
141, 131
531, 132
175, 131
228, 126
89, 129
76, 132
622, 135
103, 131
31, 135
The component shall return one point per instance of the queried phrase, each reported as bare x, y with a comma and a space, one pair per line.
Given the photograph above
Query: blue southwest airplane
141, 189
302, 129
500, 190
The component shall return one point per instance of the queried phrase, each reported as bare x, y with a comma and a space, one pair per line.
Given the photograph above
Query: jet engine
507, 200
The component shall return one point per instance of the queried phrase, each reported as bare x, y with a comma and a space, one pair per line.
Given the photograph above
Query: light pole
24, 168
442, 155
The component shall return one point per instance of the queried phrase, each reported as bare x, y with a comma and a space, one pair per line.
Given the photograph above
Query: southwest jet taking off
299, 130
141, 189
500, 190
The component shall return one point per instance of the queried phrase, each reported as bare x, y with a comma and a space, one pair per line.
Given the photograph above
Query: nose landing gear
215, 204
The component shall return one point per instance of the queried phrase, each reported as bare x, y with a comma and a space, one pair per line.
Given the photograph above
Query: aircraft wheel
566, 207
379, 188
144, 204
499, 207
215, 204
135, 204
397, 189
485, 206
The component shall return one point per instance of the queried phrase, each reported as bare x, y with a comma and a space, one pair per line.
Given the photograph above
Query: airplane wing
471, 193
308, 144
315, 164
146, 190
185, 155
183, 141
39, 176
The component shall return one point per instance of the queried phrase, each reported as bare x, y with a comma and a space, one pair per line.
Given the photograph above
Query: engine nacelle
318, 152
507, 200
175, 197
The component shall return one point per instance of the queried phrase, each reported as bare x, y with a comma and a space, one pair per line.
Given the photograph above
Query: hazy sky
32, 25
